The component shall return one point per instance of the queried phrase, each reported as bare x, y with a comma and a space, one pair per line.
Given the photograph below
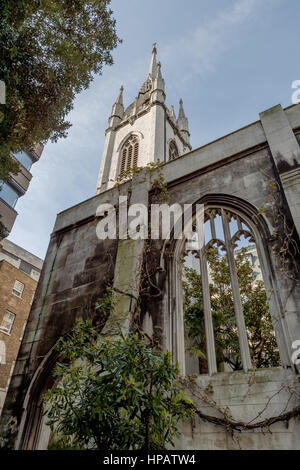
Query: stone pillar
105, 168
238, 308
286, 154
157, 134
209, 328
128, 265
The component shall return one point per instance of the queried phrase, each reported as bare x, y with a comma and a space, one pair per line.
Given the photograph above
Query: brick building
19, 274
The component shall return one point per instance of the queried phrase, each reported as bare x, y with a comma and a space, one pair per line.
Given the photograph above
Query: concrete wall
75, 272
247, 394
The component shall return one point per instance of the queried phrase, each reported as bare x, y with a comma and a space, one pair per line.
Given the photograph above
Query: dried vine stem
233, 425
285, 246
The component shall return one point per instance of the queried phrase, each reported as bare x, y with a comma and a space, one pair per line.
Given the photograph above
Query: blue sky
227, 59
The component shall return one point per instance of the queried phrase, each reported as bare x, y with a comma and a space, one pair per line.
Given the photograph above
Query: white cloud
198, 51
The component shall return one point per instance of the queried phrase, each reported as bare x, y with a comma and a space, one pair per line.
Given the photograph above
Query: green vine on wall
285, 242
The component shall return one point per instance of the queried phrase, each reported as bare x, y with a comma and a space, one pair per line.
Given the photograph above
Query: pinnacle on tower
181, 114
147, 85
120, 97
117, 111
182, 122
158, 72
172, 113
158, 86
152, 68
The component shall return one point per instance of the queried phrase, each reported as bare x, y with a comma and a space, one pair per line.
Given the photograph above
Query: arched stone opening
249, 224
34, 434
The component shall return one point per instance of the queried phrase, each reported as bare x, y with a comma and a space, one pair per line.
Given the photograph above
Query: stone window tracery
231, 249
173, 150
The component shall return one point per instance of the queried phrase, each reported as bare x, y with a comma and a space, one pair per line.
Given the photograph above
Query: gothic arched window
173, 150
225, 308
129, 154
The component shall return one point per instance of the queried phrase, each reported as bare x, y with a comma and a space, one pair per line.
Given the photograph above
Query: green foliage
114, 393
3, 231
262, 342
50, 50
62, 443
8, 166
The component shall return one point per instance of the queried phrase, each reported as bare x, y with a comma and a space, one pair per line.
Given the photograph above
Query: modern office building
10, 193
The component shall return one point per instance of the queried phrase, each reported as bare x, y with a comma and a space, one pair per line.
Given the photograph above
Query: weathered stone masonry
233, 173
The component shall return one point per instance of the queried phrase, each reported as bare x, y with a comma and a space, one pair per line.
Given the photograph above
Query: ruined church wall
245, 176
77, 267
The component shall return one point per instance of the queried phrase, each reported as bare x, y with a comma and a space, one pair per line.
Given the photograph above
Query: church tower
146, 131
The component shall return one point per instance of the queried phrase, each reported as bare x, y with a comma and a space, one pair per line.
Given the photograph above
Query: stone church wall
234, 170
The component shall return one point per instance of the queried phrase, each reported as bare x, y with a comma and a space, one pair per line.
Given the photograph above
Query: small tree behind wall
114, 393
262, 342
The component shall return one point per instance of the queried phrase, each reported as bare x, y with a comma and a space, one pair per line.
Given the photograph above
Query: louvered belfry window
173, 150
130, 154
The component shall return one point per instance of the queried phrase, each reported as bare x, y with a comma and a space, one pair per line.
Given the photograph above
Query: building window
35, 274
173, 150
18, 288
2, 353
129, 154
24, 159
7, 322
25, 267
8, 194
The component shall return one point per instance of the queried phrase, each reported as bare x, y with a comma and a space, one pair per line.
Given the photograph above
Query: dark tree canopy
49, 52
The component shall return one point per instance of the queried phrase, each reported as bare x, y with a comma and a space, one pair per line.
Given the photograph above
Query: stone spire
117, 111
147, 85
182, 123
152, 68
